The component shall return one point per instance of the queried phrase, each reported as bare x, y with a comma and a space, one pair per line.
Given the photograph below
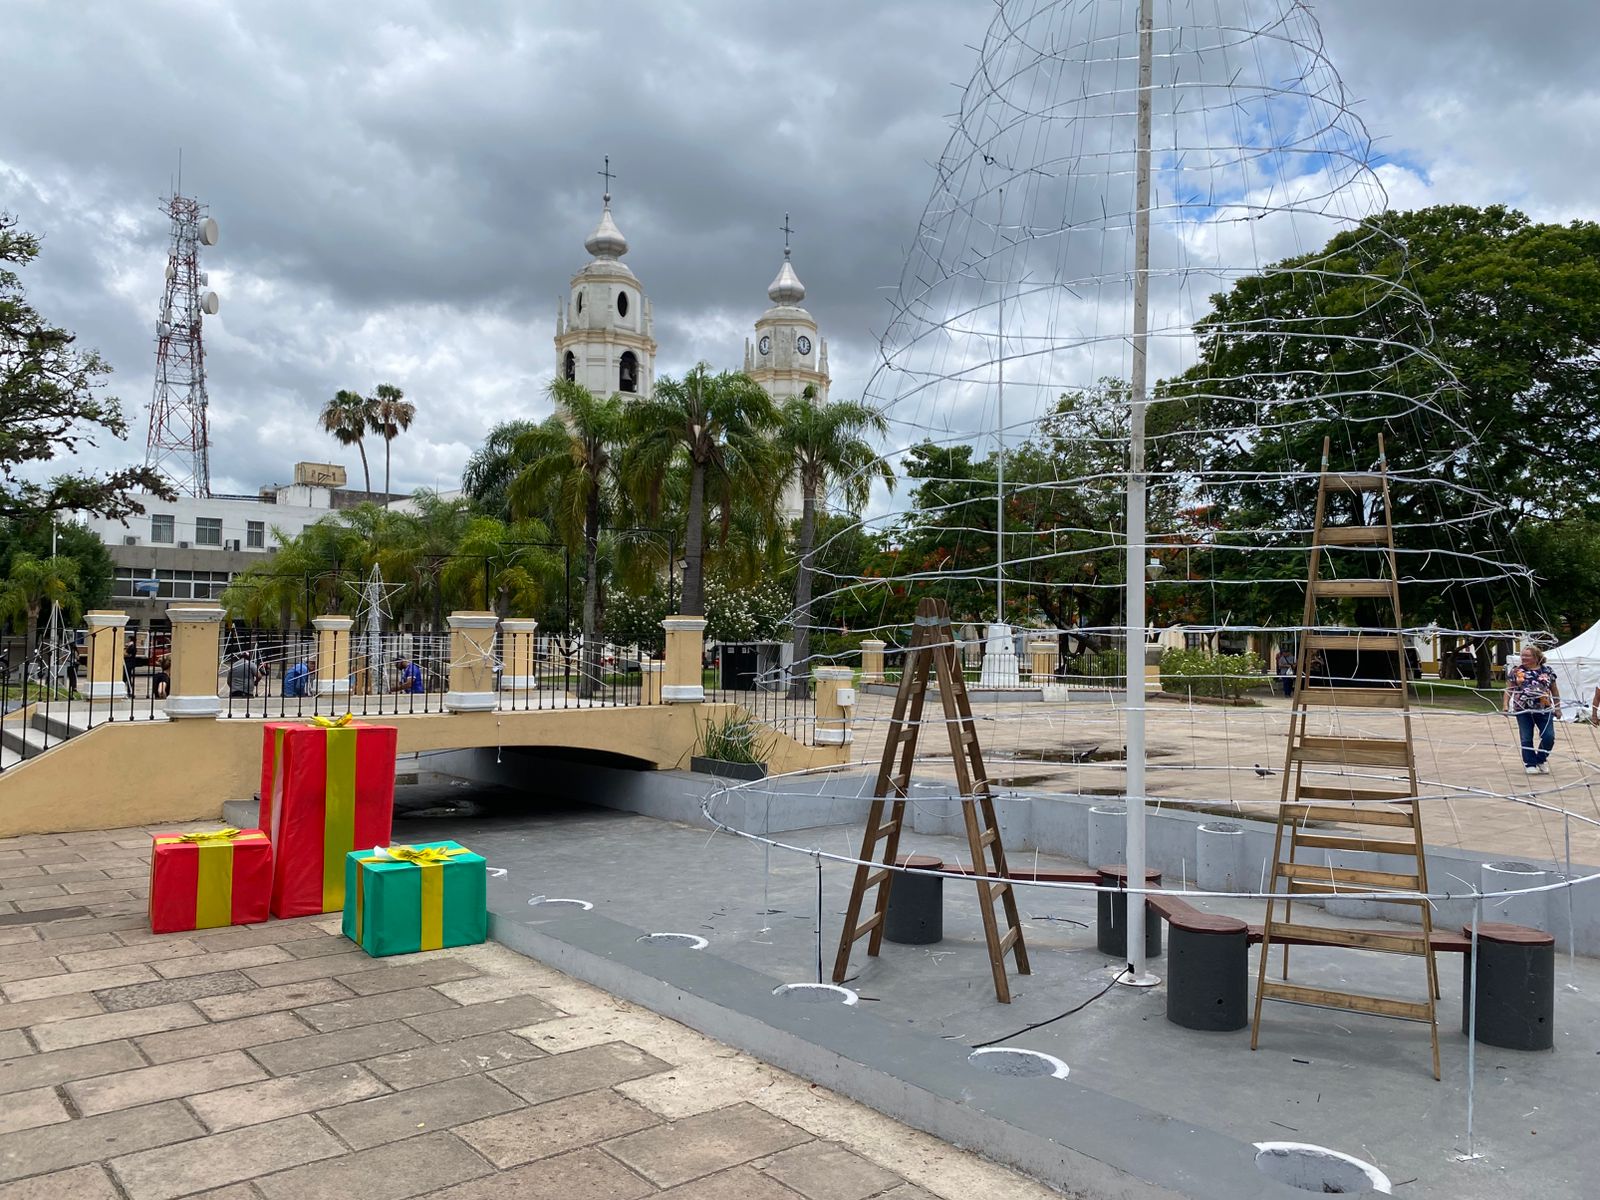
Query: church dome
607, 241
787, 288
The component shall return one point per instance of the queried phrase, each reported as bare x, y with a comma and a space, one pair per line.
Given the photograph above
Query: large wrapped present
207, 880
403, 899
327, 787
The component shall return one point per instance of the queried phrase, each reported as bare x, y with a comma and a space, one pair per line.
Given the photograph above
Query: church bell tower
605, 335
787, 354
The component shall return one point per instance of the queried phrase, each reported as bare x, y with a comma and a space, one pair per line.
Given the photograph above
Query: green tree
389, 414
32, 584
493, 466
51, 405
572, 467
348, 416
819, 445
716, 430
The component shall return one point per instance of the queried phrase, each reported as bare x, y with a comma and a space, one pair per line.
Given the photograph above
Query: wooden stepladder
1385, 811
932, 654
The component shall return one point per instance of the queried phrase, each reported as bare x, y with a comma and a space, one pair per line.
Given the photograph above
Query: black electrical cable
1051, 1020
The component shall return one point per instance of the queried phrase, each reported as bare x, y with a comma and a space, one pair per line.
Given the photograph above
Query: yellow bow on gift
322, 722
423, 856
210, 835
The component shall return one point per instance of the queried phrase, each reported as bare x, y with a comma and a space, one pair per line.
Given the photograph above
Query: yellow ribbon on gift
431, 860
322, 722
213, 902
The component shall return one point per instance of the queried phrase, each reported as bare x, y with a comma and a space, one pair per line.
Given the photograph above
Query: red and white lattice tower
178, 445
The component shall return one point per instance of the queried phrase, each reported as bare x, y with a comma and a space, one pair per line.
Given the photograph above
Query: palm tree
33, 583
717, 426
493, 466
389, 414
572, 471
822, 444
348, 416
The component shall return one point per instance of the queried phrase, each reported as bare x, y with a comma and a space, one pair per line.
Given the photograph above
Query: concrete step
26, 740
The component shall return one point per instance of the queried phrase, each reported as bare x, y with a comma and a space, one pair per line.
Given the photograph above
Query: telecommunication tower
178, 446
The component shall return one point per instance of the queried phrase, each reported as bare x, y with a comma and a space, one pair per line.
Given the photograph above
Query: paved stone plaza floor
279, 1061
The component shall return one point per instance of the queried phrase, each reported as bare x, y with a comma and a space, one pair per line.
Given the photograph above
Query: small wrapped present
327, 787
407, 898
207, 880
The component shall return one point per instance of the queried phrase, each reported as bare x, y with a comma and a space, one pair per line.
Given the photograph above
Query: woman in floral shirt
1533, 697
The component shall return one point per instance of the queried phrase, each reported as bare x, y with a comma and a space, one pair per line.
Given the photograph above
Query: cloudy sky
403, 188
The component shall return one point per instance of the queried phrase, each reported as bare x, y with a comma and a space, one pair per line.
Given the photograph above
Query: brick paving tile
827, 1171
907, 1191
580, 1175
82, 1062
224, 1158
253, 1103
546, 1130
84, 1031
433, 1106
419, 974
27, 1110
146, 1085
577, 1071
243, 1034
14, 1044
294, 970
173, 947
56, 1008
271, 999
328, 1049
80, 1183
165, 991
90, 925
77, 981
412, 1168
85, 887
220, 960
741, 1183
492, 1016
271, 933
33, 966
28, 890
706, 1143
17, 935
58, 946
20, 870
316, 947
94, 1139
367, 1010
446, 1060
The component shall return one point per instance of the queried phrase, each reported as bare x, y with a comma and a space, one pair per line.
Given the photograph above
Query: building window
162, 527
622, 304
208, 531
255, 534
569, 367
628, 372
580, 300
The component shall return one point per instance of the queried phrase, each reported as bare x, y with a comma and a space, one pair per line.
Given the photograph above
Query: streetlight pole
1137, 973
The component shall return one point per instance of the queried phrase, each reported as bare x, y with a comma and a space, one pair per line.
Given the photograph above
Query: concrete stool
1207, 969
1111, 924
1516, 987
916, 902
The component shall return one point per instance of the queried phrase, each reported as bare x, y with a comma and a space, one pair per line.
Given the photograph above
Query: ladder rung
1360, 939
1316, 873
883, 831
900, 783
1348, 891
1310, 791
866, 926
1353, 697
989, 837
1353, 481
1399, 817
1366, 752
996, 890
1010, 938
874, 878
1382, 1006
1353, 587
1355, 535
1354, 841
1352, 641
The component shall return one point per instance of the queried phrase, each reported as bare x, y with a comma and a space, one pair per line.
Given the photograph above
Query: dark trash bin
916, 902
1516, 987
1111, 925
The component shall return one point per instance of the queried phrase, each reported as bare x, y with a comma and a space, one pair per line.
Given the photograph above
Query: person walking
1285, 670
1532, 696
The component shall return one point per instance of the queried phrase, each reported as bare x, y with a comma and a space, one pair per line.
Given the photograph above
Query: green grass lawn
1465, 697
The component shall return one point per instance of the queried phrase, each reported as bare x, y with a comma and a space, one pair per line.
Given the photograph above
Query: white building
605, 333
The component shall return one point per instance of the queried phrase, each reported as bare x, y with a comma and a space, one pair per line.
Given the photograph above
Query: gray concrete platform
1149, 1108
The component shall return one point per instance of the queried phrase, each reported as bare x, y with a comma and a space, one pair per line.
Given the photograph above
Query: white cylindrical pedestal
1219, 858
1108, 834
999, 660
1531, 908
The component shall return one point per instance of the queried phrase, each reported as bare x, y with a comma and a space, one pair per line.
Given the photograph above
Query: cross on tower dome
606, 241
786, 288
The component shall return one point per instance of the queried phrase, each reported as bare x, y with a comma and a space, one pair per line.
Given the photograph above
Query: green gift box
403, 899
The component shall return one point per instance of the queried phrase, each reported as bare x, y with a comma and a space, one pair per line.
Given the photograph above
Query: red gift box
208, 880
327, 788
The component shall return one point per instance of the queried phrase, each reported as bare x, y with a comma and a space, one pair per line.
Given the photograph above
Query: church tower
605, 332
787, 355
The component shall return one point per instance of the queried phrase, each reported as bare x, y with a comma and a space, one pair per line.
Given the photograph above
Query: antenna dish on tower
208, 231
209, 304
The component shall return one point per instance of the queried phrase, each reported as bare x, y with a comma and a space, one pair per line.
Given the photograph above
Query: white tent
1577, 667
